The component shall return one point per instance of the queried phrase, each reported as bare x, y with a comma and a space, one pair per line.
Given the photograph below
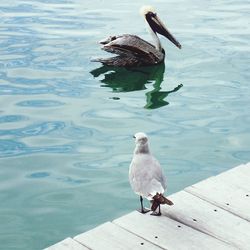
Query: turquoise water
66, 124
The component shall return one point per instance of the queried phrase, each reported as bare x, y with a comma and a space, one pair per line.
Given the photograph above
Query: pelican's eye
152, 14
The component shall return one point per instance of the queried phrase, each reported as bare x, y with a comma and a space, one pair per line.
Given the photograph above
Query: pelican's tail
111, 61
159, 199
119, 61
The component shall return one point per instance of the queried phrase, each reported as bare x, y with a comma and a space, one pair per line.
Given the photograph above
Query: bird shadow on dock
134, 79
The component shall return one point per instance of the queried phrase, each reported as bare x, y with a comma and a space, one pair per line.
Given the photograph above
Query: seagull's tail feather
159, 199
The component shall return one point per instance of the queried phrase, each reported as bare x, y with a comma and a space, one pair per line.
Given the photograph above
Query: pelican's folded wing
133, 46
119, 61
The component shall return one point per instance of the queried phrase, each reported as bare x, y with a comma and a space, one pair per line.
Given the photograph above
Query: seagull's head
141, 138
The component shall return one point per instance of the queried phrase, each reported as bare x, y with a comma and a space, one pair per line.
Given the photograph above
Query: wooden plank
205, 217
67, 244
110, 236
224, 194
168, 233
238, 176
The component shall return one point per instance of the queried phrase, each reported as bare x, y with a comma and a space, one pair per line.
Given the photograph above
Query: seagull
132, 51
146, 176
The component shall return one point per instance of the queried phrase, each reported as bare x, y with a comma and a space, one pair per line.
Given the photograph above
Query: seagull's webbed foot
156, 213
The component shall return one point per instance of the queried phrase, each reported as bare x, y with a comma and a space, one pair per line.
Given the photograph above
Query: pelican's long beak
158, 27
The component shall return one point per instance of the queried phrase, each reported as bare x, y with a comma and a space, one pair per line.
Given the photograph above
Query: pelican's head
156, 24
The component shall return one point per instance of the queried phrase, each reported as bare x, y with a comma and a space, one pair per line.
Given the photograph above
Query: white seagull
146, 176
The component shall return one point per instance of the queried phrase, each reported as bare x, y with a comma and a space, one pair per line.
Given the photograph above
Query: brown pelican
133, 51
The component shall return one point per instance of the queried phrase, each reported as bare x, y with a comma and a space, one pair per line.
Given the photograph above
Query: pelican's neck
156, 40
142, 149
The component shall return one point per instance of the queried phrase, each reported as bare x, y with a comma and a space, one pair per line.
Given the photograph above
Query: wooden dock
212, 214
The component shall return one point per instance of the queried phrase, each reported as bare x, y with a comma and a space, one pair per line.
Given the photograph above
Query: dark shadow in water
132, 79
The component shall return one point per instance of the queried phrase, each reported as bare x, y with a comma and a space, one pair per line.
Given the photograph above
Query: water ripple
11, 90
39, 175
242, 155
35, 129
12, 118
65, 179
78, 132
10, 148
40, 103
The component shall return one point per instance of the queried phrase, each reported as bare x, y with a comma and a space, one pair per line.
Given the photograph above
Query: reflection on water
155, 97
132, 79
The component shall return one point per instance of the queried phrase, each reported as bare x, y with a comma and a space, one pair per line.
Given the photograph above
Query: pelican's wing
130, 46
119, 61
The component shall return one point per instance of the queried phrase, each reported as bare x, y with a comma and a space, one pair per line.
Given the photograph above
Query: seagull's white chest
140, 164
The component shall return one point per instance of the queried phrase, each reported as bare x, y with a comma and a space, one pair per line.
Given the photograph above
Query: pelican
132, 51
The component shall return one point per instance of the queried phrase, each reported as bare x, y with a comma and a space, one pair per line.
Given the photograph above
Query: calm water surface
66, 124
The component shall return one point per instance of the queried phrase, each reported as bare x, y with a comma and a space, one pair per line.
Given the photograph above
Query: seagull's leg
157, 213
142, 209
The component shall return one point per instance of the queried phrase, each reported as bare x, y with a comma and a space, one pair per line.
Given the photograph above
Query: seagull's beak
158, 27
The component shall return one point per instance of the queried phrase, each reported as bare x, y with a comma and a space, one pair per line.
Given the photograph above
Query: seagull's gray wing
146, 176
158, 174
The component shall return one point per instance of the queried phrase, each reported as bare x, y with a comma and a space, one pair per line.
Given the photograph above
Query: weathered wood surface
239, 176
229, 191
67, 244
212, 214
207, 218
111, 236
168, 233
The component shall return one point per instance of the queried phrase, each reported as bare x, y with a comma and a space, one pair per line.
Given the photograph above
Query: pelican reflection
132, 79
